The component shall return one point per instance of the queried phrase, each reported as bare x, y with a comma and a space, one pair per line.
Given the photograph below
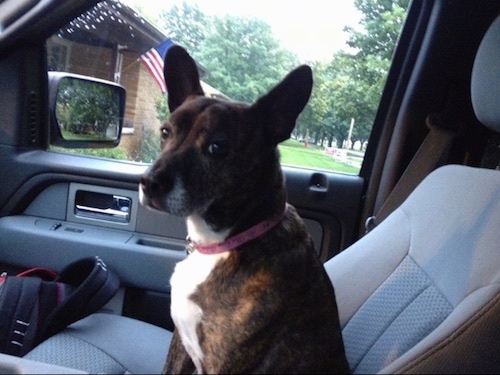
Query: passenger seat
108, 344
420, 293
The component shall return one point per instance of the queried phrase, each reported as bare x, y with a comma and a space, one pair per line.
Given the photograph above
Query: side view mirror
85, 112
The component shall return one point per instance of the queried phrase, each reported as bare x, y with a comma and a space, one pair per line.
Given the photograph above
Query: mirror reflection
87, 110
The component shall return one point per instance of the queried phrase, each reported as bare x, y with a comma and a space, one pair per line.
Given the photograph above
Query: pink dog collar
240, 239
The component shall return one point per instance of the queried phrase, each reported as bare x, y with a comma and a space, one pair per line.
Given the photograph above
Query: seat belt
431, 154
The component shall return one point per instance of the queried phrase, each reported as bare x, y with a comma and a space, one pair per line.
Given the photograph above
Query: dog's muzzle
150, 190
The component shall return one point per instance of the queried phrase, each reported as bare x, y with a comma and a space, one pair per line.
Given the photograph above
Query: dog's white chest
188, 274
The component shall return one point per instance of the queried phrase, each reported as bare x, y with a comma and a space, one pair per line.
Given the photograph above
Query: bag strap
91, 286
18, 304
41, 272
37, 303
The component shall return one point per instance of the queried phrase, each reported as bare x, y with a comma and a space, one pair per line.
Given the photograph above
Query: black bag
38, 303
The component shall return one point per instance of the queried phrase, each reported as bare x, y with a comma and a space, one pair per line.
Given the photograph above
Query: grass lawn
295, 153
84, 137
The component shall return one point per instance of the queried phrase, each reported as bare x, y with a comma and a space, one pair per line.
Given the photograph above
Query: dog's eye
218, 149
165, 133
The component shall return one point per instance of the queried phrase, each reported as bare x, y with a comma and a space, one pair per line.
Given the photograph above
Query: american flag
153, 59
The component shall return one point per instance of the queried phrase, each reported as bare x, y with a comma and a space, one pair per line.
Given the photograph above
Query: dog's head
220, 156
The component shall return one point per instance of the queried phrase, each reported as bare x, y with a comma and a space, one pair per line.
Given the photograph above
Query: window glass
242, 49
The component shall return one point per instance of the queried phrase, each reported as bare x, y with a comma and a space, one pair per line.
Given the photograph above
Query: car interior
410, 243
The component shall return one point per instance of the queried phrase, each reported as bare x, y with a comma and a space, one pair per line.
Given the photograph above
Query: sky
312, 28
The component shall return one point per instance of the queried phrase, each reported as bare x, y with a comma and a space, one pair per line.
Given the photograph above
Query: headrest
485, 80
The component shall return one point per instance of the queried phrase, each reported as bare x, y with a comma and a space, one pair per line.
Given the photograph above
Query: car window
242, 49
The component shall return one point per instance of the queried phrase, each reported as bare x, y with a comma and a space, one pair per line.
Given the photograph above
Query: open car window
241, 50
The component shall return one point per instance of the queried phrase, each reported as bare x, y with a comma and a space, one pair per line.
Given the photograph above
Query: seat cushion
411, 288
107, 343
413, 307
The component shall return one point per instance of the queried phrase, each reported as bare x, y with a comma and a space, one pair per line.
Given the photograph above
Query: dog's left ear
280, 107
181, 76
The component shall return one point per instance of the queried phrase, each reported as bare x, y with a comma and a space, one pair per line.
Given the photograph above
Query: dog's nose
143, 181
156, 183
149, 185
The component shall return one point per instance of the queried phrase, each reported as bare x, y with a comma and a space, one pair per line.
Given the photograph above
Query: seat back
421, 292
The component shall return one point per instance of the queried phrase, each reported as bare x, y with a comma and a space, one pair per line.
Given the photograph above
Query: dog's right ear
281, 106
181, 76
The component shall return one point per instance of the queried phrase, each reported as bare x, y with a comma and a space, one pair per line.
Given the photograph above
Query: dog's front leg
178, 360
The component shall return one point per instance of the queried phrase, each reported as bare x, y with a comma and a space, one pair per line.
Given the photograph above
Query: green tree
243, 57
186, 25
244, 60
337, 98
161, 106
381, 21
150, 142
349, 86
150, 146
362, 74
86, 107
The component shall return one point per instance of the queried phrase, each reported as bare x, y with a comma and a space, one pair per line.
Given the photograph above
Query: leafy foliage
244, 60
381, 21
350, 85
240, 54
86, 107
150, 146
243, 56
186, 25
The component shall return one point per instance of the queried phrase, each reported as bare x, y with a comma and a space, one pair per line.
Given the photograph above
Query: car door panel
328, 202
332, 200
40, 227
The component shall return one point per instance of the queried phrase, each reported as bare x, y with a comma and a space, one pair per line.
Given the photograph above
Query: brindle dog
252, 295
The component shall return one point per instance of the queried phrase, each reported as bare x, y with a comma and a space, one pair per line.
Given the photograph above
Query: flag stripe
154, 64
153, 60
